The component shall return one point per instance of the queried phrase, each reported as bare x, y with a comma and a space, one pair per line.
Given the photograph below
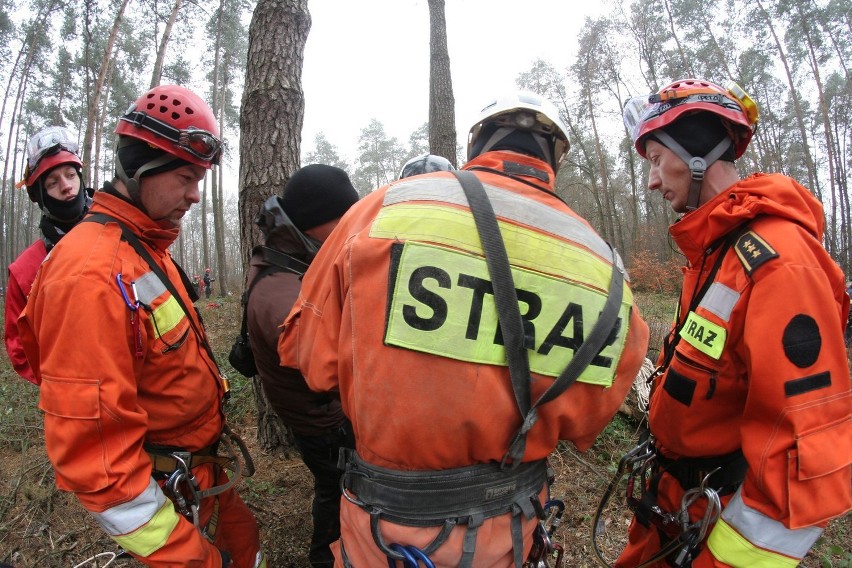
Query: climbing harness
181, 485
642, 466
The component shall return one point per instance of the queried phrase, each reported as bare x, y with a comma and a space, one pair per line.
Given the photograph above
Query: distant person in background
294, 226
750, 407
208, 280
425, 164
54, 181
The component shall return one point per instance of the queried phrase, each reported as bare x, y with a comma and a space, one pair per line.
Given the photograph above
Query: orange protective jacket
110, 385
760, 367
406, 260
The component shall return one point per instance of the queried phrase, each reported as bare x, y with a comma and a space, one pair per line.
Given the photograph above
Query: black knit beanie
317, 194
134, 153
698, 133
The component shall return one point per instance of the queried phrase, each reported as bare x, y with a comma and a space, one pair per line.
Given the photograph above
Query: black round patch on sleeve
802, 341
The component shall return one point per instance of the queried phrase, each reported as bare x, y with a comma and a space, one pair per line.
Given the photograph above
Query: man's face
62, 183
169, 195
669, 175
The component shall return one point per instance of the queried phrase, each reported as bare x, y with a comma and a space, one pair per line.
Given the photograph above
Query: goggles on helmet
48, 142
197, 142
641, 109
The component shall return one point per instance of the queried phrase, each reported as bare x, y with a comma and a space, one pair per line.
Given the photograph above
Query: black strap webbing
133, 240
279, 262
511, 323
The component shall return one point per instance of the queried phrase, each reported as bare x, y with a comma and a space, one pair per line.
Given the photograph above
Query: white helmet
522, 110
424, 164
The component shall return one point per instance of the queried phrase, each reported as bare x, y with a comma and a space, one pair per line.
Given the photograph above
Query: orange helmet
177, 121
646, 114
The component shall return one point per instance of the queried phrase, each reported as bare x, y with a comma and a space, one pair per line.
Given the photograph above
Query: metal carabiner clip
134, 305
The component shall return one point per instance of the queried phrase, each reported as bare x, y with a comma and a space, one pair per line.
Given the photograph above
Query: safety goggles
48, 142
197, 142
641, 109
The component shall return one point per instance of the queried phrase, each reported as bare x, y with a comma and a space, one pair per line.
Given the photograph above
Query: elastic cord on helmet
504, 131
697, 165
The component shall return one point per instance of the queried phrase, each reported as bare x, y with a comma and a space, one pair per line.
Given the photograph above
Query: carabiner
132, 306
408, 560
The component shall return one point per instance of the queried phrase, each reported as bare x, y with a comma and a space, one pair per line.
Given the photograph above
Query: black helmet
424, 164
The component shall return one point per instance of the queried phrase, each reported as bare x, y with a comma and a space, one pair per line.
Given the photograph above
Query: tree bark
442, 117
273, 109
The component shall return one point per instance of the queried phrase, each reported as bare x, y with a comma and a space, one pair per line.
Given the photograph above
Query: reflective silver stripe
507, 205
768, 533
720, 300
128, 517
149, 288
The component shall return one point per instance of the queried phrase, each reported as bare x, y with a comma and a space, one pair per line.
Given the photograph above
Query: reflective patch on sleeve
129, 516
753, 251
442, 302
720, 300
746, 537
153, 535
704, 335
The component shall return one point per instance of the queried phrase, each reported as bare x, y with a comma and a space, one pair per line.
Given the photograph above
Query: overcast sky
369, 59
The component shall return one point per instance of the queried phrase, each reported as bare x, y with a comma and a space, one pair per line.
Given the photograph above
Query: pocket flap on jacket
825, 451
70, 399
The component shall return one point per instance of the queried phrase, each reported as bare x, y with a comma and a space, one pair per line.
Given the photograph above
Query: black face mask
66, 213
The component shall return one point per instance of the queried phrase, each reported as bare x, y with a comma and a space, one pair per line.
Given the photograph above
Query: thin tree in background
273, 108
157, 74
97, 85
442, 104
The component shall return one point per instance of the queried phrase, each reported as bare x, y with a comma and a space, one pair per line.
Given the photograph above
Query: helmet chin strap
697, 165
132, 183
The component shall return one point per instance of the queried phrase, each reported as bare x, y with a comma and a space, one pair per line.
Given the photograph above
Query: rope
640, 384
112, 556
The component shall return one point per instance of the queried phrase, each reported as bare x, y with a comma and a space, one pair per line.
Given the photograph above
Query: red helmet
46, 149
643, 115
206, 270
176, 120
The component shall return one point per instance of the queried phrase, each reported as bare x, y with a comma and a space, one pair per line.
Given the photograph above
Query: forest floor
43, 527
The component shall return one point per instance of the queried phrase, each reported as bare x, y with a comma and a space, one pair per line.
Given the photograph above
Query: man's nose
193, 195
653, 179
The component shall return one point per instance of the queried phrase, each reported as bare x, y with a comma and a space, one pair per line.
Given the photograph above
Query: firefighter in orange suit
750, 414
131, 395
397, 311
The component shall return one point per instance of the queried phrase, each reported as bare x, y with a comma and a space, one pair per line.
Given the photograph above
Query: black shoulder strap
279, 262
511, 323
133, 240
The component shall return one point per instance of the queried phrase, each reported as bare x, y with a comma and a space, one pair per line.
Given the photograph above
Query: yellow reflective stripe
526, 248
704, 335
442, 303
730, 547
150, 537
167, 315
